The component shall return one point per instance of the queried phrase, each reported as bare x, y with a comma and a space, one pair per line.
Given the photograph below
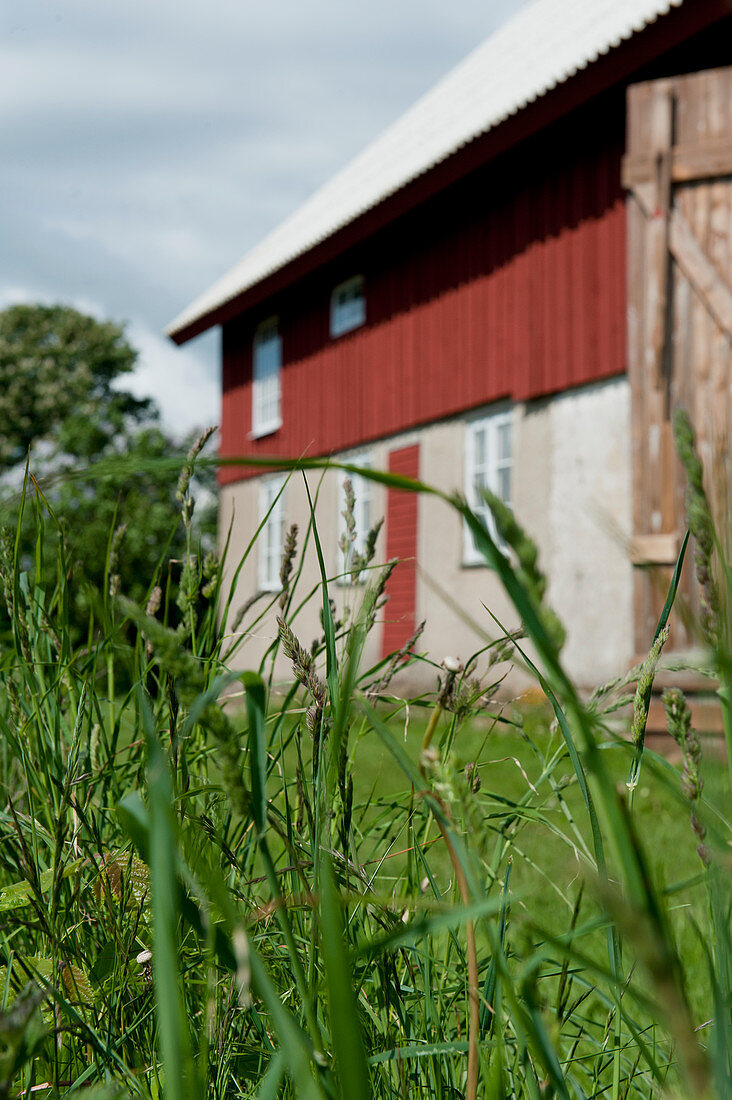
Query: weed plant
206, 892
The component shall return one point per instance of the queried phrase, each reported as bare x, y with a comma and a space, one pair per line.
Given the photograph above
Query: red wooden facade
509, 284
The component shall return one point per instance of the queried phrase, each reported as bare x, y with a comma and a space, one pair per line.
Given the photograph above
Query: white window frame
487, 474
266, 378
363, 513
271, 540
350, 313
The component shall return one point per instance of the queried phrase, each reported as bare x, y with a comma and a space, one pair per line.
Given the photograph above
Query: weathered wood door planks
678, 172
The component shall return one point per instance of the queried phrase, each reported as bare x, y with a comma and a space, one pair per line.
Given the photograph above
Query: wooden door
678, 171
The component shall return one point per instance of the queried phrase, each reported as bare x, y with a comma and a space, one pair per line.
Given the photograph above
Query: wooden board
704, 160
678, 169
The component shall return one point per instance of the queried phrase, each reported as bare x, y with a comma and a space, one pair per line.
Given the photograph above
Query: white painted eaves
544, 44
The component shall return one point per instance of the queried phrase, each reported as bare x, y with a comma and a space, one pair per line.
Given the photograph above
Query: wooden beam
660, 114
704, 276
709, 160
706, 715
696, 162
654, 549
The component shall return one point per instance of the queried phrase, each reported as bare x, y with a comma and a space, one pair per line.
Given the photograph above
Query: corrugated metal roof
544, 44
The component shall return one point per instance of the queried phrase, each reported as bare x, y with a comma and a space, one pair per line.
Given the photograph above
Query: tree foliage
57, 373
62, 400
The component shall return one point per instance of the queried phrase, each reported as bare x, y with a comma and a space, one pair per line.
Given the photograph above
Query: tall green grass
212, 888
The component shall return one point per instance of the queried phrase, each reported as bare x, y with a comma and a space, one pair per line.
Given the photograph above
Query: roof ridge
553, 40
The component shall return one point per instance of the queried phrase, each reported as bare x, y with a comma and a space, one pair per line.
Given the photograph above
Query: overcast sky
148, 144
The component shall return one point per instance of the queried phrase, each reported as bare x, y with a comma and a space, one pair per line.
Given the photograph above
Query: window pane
481, 454
266, 367
488, 466
504, 440
347, 307
503, 487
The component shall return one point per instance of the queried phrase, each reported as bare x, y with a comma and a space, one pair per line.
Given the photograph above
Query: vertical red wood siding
508, 284
401, 543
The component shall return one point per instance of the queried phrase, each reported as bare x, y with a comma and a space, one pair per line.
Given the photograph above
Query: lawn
323, 893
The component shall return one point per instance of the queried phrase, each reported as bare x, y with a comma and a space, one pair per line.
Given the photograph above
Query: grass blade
351, 1070
175, 1043
256, 704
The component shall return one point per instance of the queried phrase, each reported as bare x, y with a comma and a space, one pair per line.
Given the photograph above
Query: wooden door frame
665, 154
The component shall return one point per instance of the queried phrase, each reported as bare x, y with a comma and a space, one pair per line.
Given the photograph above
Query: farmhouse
513, 286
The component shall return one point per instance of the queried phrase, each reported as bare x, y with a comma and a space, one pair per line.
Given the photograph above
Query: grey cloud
148, 145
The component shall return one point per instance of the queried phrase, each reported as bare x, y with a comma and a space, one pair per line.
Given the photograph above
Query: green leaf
487, 1013
175, 1044
19, 894
420, 1050
134, 818
256, 709
22, 1031
269, 1086
351, 1070
402, 935
635, 766
328, 626
673, 587
105, 962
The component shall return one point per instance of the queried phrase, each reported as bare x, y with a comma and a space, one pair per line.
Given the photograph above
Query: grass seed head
644, 686
303, 665
397, 661
349, 535
701, 523
114, 577
678, 717
211, 570
288, 563
154, 600
184, 481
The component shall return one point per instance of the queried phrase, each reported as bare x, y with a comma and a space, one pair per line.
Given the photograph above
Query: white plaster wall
258, 628
572, 492
590, 508
454, 599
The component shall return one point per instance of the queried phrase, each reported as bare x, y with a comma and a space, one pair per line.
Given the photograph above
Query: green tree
60, 388
57, 373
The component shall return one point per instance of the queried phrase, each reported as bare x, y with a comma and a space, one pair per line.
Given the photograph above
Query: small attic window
347, 306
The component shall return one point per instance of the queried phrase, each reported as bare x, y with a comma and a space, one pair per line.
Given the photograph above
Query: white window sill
478, 561
335, 334
265, 429
347, 582
473, 563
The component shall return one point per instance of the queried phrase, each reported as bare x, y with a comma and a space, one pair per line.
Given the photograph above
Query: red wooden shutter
401, 543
